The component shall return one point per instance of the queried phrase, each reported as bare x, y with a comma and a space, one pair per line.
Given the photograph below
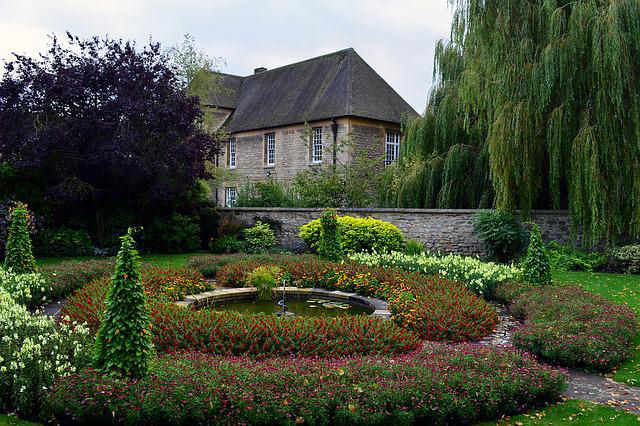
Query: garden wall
439, 230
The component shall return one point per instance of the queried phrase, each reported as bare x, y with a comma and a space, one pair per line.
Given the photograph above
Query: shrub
480, 277
178, 234
267, 193
502, 235
30, 290
66, 277
567, 258
574, 328
64, 242
34, 351
123, 344
260, 238
535, 267
18, 252
438, 385
227, 244
627, 259
414, 248
329, 242
264, 279
357, 235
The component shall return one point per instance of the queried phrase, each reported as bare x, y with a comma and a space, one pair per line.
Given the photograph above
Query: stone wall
448, 231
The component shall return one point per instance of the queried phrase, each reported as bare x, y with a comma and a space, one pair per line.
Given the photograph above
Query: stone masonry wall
449, 231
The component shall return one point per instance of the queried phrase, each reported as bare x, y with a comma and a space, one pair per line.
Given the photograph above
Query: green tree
536, 267
18, 252
123, 344
536, 104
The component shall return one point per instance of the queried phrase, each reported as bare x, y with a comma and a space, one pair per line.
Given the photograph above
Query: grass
623, 289
156, 259
6, 420
572, 412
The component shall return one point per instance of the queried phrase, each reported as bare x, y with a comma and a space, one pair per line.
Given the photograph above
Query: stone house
297, 116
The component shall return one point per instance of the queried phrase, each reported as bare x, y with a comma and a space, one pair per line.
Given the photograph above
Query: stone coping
378, 307
378, 210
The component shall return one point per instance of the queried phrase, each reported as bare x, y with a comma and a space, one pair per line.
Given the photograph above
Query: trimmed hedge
441, 384
357, 235
571, 326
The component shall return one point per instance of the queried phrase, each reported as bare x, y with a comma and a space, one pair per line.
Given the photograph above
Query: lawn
156, 259
14, 421
623, 289
572, 412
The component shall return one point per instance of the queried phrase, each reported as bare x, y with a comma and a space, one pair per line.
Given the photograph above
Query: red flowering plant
574, 327
441, 384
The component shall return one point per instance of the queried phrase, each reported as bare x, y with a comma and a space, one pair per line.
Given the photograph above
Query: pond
312, 307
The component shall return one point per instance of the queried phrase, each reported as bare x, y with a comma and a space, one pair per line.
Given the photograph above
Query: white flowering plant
30, 289
480, 277
34, 351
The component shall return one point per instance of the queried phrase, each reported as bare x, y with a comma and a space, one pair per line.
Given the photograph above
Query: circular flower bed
434, 308
177, 329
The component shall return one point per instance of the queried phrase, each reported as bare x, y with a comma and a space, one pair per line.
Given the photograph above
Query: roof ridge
348, 49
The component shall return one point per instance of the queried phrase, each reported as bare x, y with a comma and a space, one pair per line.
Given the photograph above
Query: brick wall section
449, 231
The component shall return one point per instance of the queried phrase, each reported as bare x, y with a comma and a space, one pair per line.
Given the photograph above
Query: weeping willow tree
535, 104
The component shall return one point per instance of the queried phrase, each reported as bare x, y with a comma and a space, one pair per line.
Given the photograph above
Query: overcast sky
396, 37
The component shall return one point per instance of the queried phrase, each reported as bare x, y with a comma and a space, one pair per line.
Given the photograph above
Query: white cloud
396, 37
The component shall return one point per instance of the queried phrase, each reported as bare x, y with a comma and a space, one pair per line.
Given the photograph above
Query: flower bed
177, 329
572, 327
67, 277
480, 277
34, 350
433, 307
441, 384
30, 289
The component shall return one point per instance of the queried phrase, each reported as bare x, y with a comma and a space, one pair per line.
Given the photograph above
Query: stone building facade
330, 109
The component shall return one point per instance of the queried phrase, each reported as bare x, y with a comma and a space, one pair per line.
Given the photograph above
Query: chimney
259, 70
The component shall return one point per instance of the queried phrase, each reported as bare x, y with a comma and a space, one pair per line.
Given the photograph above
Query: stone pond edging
222, 295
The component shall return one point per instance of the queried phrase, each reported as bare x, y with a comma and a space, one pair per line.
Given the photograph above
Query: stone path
584, 386
53, 309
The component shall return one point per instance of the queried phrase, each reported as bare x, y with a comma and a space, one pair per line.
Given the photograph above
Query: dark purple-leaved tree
102, 121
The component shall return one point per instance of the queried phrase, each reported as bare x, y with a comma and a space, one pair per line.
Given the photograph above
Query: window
270, 149
230, 195
233, 147
392, 147
316, 145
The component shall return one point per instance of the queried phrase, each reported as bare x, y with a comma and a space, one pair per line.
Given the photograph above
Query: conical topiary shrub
124, 343
536, 267
18, 251
329, 243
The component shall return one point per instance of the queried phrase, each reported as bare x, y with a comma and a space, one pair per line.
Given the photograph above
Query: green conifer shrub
536, 267
124, 343
329, 243
19, 253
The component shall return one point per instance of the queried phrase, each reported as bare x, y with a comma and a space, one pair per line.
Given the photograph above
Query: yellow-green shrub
358, 235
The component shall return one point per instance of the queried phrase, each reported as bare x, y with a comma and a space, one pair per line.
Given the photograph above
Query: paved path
584, 386
53, 309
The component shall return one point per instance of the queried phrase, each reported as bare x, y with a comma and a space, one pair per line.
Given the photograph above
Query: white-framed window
270, 149
316, 145
230, 197
233, 150
392, 146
